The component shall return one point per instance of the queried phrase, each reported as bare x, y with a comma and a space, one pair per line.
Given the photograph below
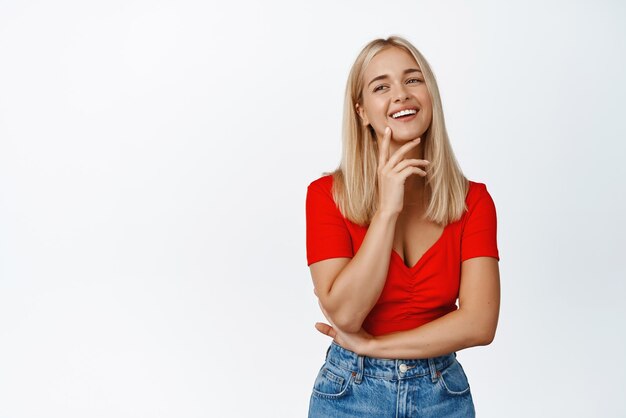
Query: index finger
383, 155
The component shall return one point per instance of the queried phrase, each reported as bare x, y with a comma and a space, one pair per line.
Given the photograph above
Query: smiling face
393, 82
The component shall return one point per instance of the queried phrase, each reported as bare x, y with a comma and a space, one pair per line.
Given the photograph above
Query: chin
408, 136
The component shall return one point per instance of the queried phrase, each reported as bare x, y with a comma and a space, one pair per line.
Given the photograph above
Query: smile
405, 116
404, 112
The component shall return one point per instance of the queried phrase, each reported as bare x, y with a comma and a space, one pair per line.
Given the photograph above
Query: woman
394, 236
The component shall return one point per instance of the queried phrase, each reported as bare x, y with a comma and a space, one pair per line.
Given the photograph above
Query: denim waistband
389, 369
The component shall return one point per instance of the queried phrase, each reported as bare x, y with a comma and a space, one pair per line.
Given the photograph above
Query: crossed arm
473, 324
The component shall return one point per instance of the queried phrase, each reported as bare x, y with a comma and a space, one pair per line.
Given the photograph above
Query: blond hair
355, 181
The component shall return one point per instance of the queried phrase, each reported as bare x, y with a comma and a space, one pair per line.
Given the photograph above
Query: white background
154, 158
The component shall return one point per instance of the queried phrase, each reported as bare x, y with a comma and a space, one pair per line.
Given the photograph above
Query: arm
348, 289
474, 323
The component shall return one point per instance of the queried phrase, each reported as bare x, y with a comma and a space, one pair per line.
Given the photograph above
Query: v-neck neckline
430, 249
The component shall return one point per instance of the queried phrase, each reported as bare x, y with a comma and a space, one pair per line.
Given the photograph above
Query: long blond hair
355, 181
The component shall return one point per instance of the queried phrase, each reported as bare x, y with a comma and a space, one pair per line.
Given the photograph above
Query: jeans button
403, 368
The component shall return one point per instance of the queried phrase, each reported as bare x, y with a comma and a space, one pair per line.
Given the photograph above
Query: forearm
452, 332
357, 288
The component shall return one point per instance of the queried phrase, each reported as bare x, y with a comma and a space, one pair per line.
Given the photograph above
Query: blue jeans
351, 385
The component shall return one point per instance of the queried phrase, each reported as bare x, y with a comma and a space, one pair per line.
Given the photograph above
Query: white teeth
404, 112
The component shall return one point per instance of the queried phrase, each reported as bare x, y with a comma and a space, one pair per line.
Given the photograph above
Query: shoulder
478, 195
323, 184
479, 200
477, 190
319, 196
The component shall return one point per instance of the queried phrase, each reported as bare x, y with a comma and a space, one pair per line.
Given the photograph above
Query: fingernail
387, 130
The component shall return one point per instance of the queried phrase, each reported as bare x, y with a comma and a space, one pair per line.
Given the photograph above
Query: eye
378, 87
414, 79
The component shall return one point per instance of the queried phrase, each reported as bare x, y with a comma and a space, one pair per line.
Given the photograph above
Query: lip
403, 108
406, 119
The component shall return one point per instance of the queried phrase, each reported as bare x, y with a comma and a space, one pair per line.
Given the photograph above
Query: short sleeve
479, 236
327, 235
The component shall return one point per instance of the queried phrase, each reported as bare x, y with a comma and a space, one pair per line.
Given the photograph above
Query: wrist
386, 215
369, 347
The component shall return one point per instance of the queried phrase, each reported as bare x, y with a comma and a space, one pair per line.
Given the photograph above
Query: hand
393, 171
353, 341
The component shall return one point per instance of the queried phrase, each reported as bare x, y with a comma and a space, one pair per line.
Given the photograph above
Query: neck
415, 190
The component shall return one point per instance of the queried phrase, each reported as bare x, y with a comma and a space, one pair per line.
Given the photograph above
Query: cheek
376, 108
423, 96
427, 107
381, 113
429, 110
429, 116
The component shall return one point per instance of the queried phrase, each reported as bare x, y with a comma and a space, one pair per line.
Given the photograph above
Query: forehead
390, 61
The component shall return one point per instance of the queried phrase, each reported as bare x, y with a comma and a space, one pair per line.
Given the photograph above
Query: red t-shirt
411, 296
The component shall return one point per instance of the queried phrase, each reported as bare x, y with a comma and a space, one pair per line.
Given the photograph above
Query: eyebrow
380, 77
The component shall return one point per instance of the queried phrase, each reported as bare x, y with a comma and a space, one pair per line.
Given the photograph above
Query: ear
362, 115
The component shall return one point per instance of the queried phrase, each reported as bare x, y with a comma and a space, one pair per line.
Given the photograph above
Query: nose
401, 94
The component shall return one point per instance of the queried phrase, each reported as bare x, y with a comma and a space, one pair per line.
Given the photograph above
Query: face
393, 82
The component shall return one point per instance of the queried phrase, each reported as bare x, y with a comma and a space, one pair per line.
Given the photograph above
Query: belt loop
434, 374
327, 351
359, 373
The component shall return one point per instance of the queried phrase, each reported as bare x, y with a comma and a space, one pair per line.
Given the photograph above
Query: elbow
479, 332
486, 337
481, 329
349, 324
344, 320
